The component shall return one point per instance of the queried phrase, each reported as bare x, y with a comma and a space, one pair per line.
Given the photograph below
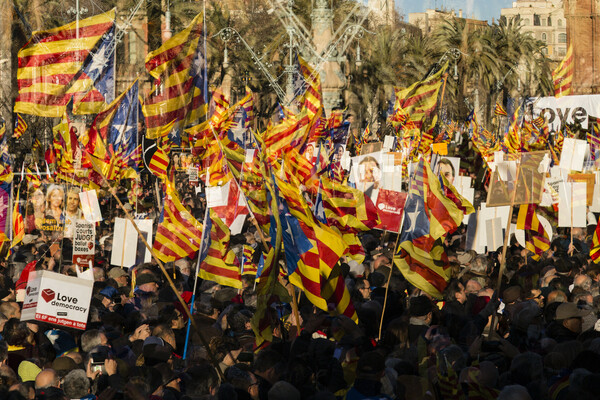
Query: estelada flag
155, 158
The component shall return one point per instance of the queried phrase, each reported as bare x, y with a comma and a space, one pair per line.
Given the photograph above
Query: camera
98, 361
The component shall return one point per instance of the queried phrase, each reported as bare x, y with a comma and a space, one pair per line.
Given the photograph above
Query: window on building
561, 51
536, 20
549, 21
562, 38
545, 50
544, 37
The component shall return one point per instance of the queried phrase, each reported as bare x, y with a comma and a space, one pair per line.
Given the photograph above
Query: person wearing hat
369, 371
420, 310
568, 322
118, 275
147, 282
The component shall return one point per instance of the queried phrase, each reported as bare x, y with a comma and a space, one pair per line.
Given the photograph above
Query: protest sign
90, 206
572, 208
390, 205
57, 299
128, 248
589, 180
558, 111
193, 174
84, 239
530, 185
573, 154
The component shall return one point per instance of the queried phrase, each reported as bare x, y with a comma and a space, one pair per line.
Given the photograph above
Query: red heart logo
90, 245
48, 294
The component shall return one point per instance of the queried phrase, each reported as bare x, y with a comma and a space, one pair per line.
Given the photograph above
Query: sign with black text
57, 299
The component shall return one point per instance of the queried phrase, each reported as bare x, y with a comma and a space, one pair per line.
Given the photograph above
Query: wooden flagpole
387, 286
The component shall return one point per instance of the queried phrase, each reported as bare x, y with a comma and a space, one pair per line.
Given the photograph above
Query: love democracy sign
566, 109
57, 299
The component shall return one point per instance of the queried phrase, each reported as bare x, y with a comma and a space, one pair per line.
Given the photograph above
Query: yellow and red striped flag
309, 90
17, 222
33, 179
20, 127
179, 68
155, 158
51, 63
499, 110
595, 248
420, 99
513, 140
536, 238
428, 271
346, 208
218, 262
178, 234
563, 75
249, 267
316, 264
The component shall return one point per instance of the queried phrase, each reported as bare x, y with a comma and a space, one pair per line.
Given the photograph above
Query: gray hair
90, 339
76, 384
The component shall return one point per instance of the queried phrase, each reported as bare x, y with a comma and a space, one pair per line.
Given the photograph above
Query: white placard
495, 212
573, 154
345, 161
572, 203
388, 162
493, 231
90, 206
84, 238
595, 207
193, 174
388, 143
249, 155
128, 249
57, 299
217, 196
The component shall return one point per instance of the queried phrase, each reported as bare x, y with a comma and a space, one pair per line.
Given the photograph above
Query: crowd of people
544, 342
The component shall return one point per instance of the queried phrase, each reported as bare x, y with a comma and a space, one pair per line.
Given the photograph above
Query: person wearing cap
147, 282
118, 275
567, 324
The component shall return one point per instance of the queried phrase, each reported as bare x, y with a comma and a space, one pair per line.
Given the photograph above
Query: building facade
545, 21
428, 20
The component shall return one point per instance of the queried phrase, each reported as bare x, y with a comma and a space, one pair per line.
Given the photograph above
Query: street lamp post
77, 11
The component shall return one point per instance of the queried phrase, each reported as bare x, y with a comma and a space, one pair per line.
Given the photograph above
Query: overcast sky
479, 9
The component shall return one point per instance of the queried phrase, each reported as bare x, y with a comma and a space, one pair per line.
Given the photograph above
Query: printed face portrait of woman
54, 202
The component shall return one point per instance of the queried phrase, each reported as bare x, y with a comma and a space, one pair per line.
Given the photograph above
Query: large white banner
566, 109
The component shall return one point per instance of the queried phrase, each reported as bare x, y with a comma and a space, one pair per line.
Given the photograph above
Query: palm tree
477, 67
517, 48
